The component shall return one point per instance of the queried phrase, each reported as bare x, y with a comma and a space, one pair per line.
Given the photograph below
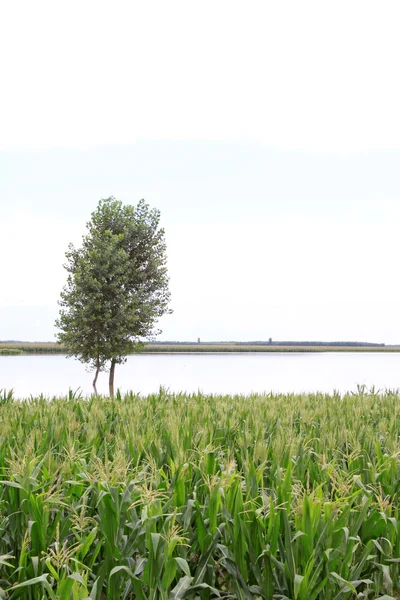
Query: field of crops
178, 496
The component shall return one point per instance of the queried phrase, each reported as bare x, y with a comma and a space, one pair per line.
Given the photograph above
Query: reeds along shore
191, 496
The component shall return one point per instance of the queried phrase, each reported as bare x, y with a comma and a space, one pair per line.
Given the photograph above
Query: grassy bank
173, 496
53, 348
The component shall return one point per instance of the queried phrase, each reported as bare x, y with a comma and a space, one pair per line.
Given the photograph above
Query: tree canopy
117, 286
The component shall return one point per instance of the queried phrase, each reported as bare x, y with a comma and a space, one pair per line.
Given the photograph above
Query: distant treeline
267, 343
15, 348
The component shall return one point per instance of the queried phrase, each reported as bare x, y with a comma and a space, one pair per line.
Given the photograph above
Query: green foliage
192, 496
117, 285
158, 347
184, 347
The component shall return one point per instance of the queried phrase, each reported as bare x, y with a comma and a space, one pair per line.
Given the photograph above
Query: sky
267, 133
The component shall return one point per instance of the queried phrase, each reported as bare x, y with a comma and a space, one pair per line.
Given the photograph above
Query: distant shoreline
25, 348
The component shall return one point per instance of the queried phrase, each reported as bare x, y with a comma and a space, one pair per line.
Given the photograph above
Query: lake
238, 373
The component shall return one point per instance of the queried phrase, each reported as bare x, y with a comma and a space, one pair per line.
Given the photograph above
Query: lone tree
117, 286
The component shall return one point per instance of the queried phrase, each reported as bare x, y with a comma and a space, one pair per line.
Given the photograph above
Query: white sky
268, 133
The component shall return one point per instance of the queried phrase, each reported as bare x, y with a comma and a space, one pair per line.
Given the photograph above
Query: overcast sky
267, 133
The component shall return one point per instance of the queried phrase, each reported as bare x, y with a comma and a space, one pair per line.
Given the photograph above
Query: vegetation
31, 348
277, 343
10, 351
117, 286
191, 496
262, 348
54, 348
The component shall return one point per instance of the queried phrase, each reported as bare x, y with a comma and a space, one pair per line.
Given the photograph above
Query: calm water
210, 373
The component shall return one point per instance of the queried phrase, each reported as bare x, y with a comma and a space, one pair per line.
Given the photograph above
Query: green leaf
93, 593
181, 587
297, 583
183, 564
4, 560
200, 587
77, 577
31, 582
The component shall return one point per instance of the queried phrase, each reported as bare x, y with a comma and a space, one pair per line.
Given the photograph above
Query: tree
117, 286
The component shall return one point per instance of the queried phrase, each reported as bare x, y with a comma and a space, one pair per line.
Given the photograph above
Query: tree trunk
111, 379
95, 379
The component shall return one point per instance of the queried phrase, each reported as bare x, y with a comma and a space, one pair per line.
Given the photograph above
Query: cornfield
192, 496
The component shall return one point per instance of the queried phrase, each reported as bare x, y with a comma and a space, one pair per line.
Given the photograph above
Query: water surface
233, 373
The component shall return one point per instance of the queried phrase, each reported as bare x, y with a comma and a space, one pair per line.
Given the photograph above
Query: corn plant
192, 496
